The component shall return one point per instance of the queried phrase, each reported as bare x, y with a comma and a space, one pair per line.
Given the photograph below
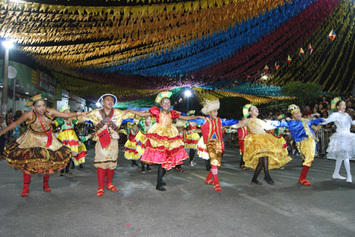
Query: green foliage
231, 107
304, 92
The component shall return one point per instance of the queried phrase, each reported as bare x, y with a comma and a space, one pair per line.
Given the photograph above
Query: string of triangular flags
301, 52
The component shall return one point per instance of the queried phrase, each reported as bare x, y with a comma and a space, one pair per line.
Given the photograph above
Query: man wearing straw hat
107, 122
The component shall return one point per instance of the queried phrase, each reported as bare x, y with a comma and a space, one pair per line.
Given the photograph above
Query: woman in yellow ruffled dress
37, 151
130, 147
261, 150
144, 125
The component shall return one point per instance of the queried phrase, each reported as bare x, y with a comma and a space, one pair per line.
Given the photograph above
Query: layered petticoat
202, 150
29, 153
141, 139
78, 149
262, 144
164, 146
341, 146
130, 150
191, 140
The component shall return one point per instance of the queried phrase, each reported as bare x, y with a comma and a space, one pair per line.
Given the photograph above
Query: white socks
336, 174
349, 178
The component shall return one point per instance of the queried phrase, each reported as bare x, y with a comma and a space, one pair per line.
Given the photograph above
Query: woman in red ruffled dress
164, 145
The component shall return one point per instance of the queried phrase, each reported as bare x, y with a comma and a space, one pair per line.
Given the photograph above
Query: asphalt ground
189, 207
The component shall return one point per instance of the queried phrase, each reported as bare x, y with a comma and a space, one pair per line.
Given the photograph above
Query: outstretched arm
189, 117
23, 118
140, 114
56, 113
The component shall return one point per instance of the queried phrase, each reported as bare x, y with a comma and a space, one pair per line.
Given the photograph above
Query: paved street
189, 207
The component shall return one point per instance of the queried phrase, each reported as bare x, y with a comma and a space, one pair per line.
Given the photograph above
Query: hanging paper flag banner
235, 82
289, 59
248, 77
301, 52
266, 68
332, 35
277, 65
310, 49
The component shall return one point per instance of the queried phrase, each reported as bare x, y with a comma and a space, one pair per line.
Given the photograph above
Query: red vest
242, 133
210, 127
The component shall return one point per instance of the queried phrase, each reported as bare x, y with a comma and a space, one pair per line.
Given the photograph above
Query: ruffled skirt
261, 145
341, 146
78, 149
29, 153
130, 151
164, 146
202, 150
141, 139
191, 140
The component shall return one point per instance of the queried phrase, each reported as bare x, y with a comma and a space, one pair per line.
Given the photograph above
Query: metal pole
4, 83
187, 104
13, 96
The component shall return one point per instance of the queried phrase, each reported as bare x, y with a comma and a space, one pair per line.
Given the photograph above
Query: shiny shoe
112, 188
304, 182
338, 176
217, 188
269, 181
256, 182
100, 193
25, 192
160, 188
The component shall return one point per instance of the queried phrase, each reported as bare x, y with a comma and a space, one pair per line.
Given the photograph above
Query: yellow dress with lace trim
260, 144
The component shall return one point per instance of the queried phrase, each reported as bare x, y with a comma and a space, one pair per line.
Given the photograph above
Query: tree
304, 92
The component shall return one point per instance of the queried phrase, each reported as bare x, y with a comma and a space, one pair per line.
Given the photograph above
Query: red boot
209, 178
109, 184
302, 179
46, 188
214, 170
101, 173
26, 183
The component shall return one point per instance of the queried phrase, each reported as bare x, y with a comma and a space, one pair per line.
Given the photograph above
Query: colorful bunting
301, 52
332, 35
277, 65
289, 60
310, 49
266, 68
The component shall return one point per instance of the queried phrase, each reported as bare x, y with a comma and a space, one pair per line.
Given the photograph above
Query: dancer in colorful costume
37, 151
304, 137
69, 138
211, 128
242, 133
145, 125
191, 140
107, 122
342, 143
130, 147
261, 149
164, 145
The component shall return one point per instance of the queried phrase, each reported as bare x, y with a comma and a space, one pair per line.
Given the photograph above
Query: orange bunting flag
301, 52
248, 77
310, 49
266, 68
289, 59
332, 35
277, 65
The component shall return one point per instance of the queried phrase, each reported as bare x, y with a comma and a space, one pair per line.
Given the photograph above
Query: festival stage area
189, 207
